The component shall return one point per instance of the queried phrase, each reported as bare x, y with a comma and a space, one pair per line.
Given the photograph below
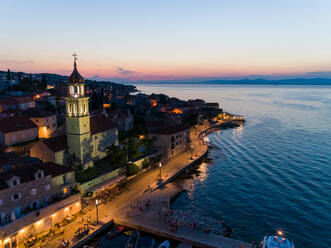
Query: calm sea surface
272, 173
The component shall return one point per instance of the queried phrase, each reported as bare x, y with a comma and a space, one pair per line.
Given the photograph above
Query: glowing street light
280, 233
191, 152
97, 202
160, 166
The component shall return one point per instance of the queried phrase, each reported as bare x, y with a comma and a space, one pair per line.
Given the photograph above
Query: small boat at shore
276, 241
128, 233
165, 244
115, 232
133, 240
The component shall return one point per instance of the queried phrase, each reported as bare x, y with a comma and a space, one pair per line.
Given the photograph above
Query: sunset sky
170, 39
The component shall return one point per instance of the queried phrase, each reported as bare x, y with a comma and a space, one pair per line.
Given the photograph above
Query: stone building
53, 150
16, 130
45, 120
33, 198
171, 140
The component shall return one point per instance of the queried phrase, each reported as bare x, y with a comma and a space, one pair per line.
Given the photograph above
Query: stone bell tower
78, 119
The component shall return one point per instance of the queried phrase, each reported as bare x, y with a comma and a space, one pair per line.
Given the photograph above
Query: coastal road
136, 189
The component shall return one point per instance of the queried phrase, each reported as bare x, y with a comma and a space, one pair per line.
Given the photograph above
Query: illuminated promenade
137, 192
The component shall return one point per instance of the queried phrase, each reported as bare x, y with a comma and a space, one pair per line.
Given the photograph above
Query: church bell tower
78, 119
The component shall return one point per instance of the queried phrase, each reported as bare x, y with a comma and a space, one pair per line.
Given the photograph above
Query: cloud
123, 71
5, 61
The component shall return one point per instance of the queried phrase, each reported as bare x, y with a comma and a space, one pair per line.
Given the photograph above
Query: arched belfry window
71, 89
70, 108
82, 90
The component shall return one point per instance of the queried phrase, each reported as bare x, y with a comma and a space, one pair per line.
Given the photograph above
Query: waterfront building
33, 198
171, 140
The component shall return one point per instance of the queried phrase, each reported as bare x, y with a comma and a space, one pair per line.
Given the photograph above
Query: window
14, 183
47, 187
33, 191
65, 190
16, 196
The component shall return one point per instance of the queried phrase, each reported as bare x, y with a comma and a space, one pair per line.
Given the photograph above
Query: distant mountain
294, 81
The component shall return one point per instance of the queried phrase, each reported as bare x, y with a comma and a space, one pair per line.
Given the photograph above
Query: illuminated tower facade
78, 119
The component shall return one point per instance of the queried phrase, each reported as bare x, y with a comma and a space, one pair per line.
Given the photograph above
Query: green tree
145, 163
133, 149
116, 154
131, 169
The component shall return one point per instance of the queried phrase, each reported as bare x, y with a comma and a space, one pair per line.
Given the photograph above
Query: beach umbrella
12, 217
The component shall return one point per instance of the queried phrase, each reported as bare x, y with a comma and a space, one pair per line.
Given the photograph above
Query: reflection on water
272, 173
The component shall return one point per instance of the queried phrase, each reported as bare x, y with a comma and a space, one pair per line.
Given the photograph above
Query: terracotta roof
57, 143
75, 77
17, 123
101, 123
26, 172
167, 130
55, 170
35, 113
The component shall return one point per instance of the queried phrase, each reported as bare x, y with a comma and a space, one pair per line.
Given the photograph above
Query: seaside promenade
137, 190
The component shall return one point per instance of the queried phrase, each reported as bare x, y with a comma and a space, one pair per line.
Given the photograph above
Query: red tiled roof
55, 169
37, 113
101, 123
56, 144
172, 129
26, 172
15, 124
23, 99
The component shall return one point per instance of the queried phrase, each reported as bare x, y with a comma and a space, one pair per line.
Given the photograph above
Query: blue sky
151, 40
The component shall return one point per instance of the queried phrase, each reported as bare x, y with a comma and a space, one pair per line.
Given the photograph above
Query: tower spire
75, 77
75, 59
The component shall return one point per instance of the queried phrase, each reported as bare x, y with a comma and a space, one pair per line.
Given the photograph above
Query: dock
152, 222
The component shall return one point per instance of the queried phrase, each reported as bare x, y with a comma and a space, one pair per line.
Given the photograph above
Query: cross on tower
75, 56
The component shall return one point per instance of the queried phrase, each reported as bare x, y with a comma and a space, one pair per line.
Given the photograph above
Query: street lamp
97, 208
191, 152
160, 166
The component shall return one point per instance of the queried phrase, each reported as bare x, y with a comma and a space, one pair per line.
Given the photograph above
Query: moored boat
276, 241
133, 240
165, 244
115, 232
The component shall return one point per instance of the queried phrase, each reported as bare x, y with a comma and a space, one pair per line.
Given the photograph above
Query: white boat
276, 241
165, 244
